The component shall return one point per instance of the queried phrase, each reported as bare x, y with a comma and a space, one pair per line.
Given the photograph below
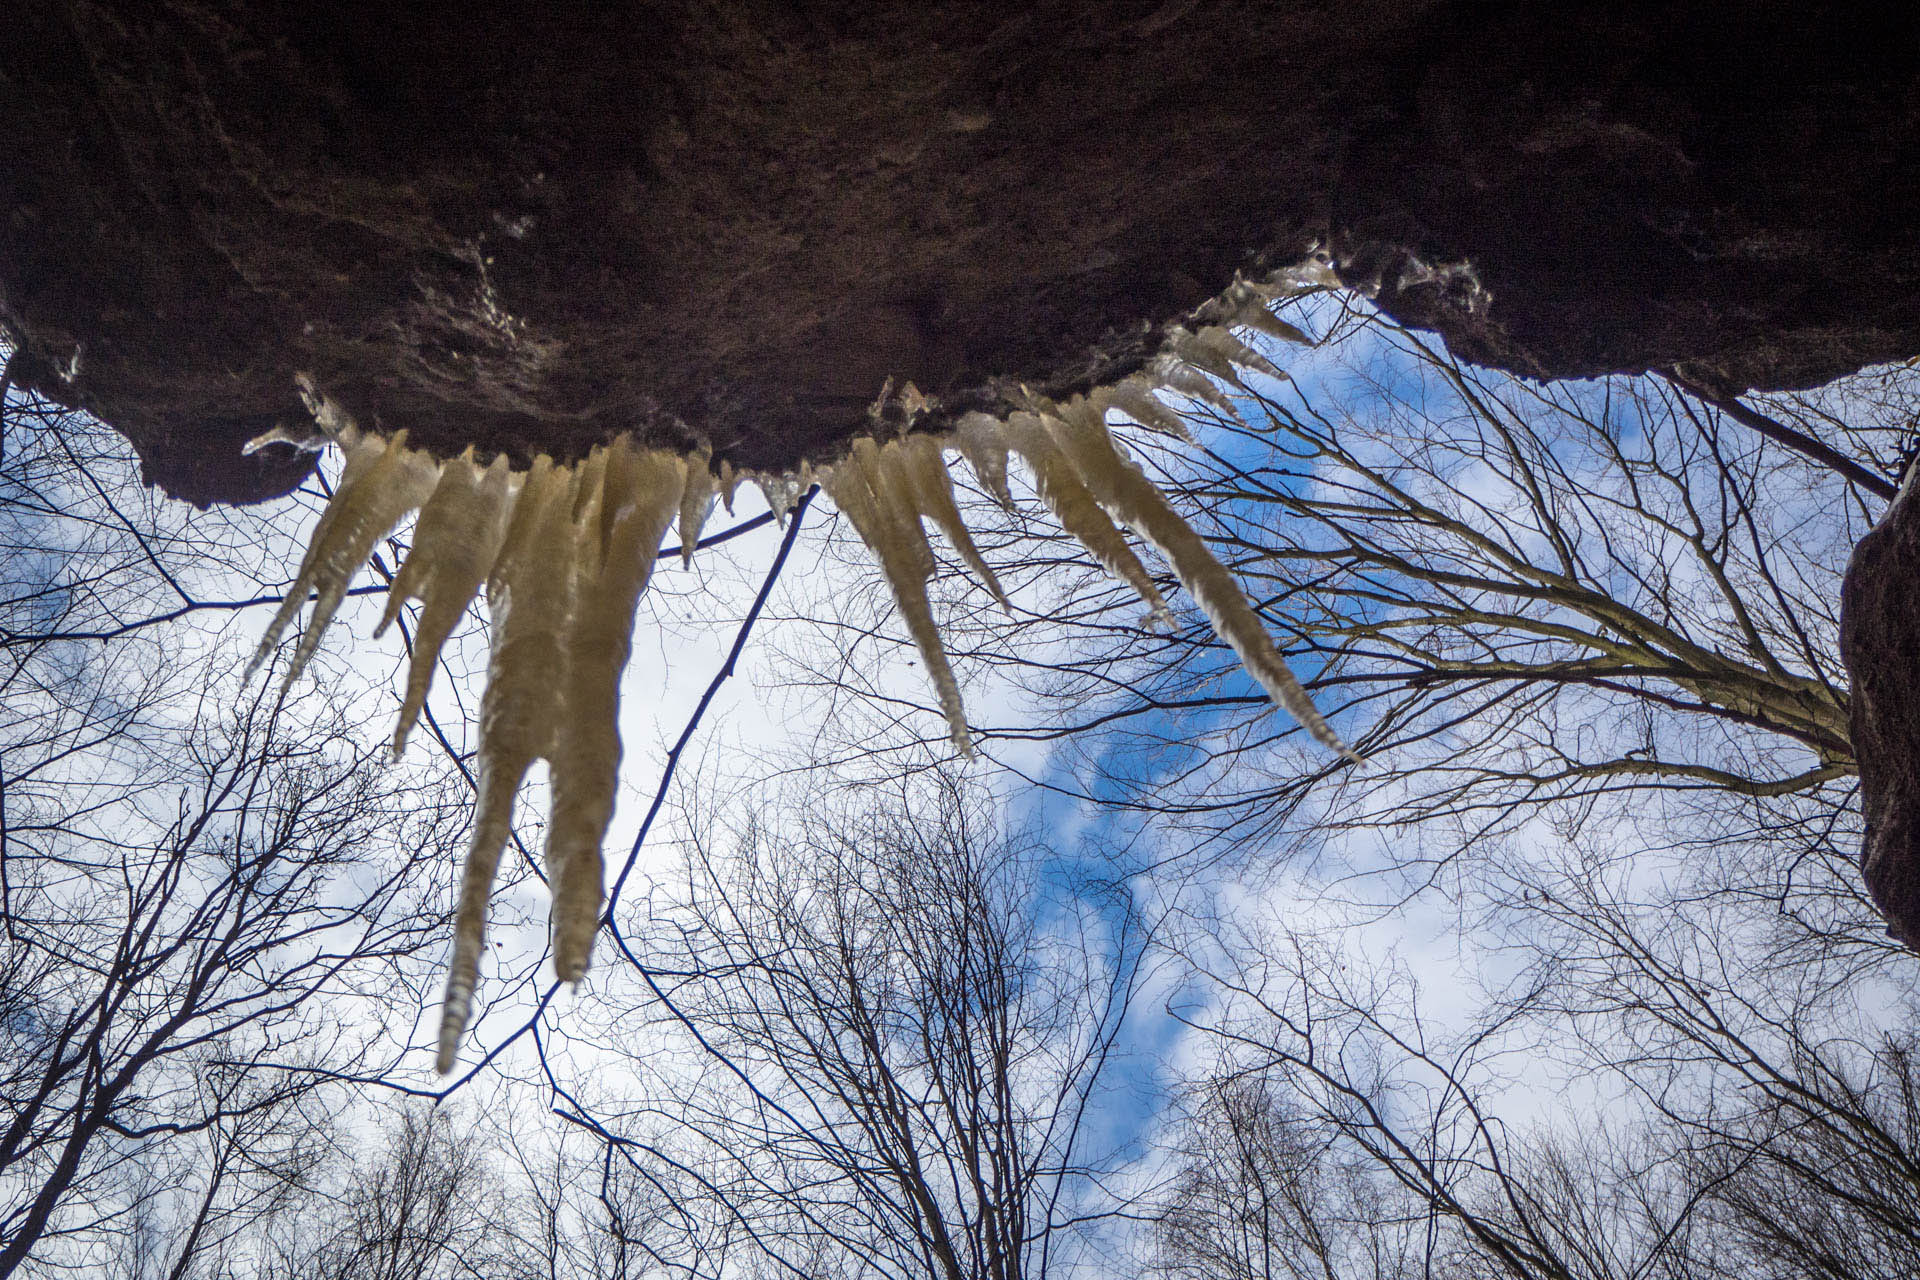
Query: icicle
584, 508
1203, 355
645, 491
1135, 399
696, 500
1255, 316
361, 454
729, 481
1218, 339
585, 739
454, 545
781, 493
982, 442
381, 482
915, 467
1124, 489
527, 596
1074, 507
888, 524
307, 439
1177, 376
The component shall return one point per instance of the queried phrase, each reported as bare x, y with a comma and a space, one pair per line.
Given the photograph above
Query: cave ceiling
730, 225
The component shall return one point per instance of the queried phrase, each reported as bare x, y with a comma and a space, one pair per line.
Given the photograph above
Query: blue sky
828, 623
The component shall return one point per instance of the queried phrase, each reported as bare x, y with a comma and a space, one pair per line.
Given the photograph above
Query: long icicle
454, 545
641, 493
1124, 489
1073, 505
381, 481
527, 596
892, 532
915, 467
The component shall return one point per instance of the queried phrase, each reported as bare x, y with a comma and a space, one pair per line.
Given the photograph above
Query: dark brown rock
529, 227
1880, 643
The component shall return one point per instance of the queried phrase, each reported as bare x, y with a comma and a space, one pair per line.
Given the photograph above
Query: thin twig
713, 687
1782, 434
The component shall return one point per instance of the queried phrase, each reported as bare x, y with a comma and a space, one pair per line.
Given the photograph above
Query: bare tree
167, 968
1675, 1080
1517, 599
426, 1207
209, 894
199, 1199
1264, 1193
884, 1041
902, 1057
1598, 617
575, 1206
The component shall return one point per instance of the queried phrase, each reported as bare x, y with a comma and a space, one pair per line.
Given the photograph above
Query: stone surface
1880, 643
530, 227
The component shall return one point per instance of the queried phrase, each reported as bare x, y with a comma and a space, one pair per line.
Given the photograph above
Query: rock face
1880, 642
531, 227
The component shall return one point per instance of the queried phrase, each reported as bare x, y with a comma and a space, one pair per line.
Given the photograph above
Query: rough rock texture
1880, 643
529, 227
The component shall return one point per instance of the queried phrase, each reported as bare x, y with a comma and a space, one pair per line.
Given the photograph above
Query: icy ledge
564, 553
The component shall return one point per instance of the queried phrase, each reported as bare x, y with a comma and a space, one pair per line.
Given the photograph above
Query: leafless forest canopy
1576, 978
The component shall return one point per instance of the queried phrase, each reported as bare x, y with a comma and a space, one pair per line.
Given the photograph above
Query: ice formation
563, 554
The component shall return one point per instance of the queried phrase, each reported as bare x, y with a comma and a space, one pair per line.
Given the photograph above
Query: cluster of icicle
564, 552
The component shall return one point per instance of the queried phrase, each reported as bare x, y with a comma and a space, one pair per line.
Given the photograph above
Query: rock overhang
730, 226
684, 238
